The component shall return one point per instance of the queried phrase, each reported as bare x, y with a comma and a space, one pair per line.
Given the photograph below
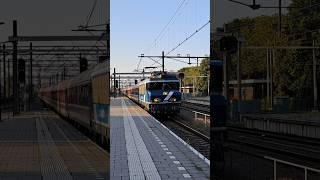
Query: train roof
83, 78
64, 84
48, 88
157, 77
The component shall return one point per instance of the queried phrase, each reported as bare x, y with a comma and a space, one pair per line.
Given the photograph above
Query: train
84, 99
159, 94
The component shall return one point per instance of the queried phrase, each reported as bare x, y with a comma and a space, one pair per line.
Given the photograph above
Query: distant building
250, 89
187, 89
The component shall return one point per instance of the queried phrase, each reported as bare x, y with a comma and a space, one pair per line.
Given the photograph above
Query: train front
164, 96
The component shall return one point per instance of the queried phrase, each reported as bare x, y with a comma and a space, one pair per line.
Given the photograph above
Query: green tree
292, 73
202, 83
202, 70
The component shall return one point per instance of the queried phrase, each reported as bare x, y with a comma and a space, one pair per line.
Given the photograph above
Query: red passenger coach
62, 98
85, 100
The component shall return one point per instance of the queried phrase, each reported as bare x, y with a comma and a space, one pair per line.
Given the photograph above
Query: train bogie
166, 108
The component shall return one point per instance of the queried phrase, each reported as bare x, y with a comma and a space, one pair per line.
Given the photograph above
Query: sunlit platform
41, 145
142, 148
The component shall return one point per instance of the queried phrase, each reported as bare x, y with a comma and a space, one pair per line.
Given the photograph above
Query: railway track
294, 146
194, 138
193, 106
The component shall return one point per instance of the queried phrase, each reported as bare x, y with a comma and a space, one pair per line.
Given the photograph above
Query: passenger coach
85, 100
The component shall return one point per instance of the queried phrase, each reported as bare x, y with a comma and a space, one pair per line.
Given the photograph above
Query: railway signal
117, 84
83, 64
181, 77
229, 44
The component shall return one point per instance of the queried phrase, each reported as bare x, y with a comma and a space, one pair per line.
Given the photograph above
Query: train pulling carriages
84, 100
159, 94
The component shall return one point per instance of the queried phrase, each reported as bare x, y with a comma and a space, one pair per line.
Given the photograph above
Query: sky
50, 17
46, 17
224, 11
136, 24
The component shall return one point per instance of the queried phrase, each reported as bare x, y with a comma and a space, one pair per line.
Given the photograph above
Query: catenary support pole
30, 79
239, 76
315, 87
280, 17
114, 82
162, 61
4, 73
268, 79
14, 72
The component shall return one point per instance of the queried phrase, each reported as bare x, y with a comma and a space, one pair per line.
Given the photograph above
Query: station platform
298, 124
198, 100
41, 145
142, 148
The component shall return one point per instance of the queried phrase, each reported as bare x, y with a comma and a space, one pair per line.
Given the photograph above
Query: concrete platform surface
41, 145
142, 148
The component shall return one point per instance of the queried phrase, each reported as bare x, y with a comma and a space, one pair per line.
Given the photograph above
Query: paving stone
151, 133
40, 144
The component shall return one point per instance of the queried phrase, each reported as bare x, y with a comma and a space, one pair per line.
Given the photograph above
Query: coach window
71, 95
74, 95
81, 95
78, 94
86, 96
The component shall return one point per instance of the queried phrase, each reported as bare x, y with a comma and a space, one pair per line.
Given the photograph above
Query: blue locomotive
158, 94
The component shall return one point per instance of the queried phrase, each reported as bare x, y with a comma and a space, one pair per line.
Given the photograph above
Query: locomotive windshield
171, 86
154, 86
167, 86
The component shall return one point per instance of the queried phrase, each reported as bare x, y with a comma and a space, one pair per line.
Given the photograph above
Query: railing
305, 168
206, 117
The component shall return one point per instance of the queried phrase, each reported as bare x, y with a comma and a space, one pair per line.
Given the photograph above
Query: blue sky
136, 24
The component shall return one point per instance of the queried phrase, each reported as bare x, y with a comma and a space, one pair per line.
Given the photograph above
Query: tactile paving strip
171, 157
140, 163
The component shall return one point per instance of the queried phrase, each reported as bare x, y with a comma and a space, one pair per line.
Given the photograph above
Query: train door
101, 103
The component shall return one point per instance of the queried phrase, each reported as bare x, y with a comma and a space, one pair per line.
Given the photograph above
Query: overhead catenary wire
57, 59
155, 61
189, 37
139, 63
91, 12
180, 60
169, 22
170, 32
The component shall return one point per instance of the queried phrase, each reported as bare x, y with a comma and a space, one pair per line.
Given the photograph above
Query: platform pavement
195, 101
41, 145
141, 148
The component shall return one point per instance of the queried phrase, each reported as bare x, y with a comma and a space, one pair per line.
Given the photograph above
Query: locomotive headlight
173, 99
156, 100
165, 93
